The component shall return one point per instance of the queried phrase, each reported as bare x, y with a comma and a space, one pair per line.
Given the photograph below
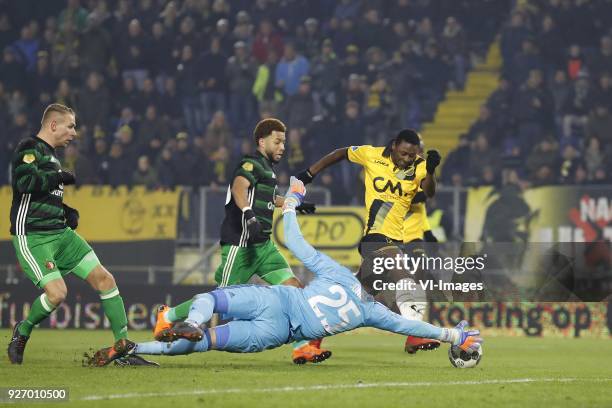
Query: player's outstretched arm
382, 318
317, 262
329, 159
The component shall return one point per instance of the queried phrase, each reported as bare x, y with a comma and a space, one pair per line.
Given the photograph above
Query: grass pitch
368, 368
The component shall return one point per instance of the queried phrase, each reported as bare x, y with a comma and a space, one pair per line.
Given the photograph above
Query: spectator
266, 39
145, 175
132, 53
290, 69
165, 169
300, 108
148, 96
574, 62
96, 43
512, 37
93, 103
27, 47
345, 36
218, 133
352, 63
170, 102
11, 71
160, 52
184, 162
212, 69
42, 79
544, 154
326, 77
599, 125
534, 110
240, 73
453, 45
244, 29
118, 166
577, 108
130, 148
593, 157
264, 88
312, 38
602, 60
372, 32
74, 15
187, 77
153, 132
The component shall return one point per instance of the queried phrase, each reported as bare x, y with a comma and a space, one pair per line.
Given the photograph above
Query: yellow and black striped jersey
388, 189
416, 222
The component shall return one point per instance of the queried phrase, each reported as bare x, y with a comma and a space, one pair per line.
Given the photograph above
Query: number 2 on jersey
341, 304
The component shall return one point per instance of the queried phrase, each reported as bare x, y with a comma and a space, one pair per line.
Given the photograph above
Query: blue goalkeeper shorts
259, 323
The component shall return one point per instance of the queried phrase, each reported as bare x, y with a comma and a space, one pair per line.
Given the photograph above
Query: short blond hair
55, 107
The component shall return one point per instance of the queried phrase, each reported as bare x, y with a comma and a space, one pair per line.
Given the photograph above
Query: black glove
429, 236
306, 177
433, 160
72, 217
254, 226
306, 208
66, 177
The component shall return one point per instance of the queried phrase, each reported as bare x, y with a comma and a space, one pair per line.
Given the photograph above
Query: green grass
565, 373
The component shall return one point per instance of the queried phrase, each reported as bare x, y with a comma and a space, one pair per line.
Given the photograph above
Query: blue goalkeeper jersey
334, 301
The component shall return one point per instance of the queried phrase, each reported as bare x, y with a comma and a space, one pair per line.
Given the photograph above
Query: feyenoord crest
50, 265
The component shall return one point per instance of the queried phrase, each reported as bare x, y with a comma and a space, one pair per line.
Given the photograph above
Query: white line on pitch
337, 387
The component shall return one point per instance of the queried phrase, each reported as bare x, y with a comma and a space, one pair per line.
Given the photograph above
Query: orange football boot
162, 331
309, 354
413, 344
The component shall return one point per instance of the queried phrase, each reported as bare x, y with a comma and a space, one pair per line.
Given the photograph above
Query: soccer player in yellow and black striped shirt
393, 176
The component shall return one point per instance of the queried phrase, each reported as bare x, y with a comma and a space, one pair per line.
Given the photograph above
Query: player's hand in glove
66, 177
294, 198
306, 208
72, 217
305, 177
467, 340
432, 161
254, 226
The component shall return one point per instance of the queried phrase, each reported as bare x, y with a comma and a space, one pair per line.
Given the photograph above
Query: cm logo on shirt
382, 187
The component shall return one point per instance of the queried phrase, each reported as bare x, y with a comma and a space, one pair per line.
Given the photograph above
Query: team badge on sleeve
248, 166
28, 158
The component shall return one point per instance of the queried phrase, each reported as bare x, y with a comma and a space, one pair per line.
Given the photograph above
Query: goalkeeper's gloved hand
66, 177
429, 236
432, 161
467, 340
295, 195
254, 227
306, 208
72, 217
305, 176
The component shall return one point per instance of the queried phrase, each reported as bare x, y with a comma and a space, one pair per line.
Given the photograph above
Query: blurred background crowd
167, 92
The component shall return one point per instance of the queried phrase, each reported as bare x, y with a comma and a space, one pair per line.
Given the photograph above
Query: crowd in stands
550, 119
167, 92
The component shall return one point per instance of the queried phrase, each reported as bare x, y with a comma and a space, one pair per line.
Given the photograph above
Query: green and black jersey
37, 190
261, 195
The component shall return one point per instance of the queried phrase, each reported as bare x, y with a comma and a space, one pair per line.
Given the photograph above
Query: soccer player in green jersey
43, 233
246, 247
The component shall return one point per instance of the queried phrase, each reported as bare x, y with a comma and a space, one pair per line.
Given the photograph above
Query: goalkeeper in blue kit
266, 317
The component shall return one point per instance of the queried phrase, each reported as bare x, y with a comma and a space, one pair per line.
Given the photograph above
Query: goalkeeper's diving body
266, 317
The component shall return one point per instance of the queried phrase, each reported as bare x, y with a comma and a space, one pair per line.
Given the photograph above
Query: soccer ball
463, 359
